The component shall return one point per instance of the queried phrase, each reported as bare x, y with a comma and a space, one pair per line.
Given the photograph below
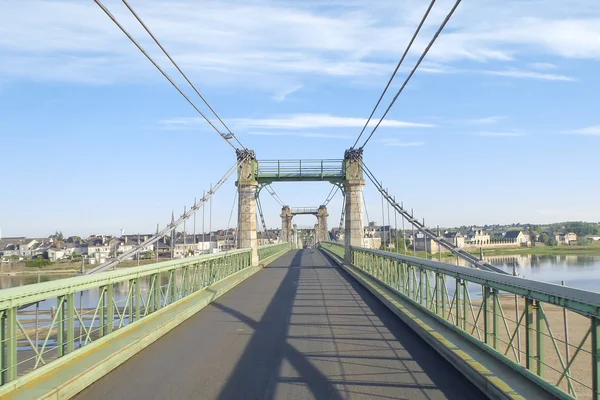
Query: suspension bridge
341, 320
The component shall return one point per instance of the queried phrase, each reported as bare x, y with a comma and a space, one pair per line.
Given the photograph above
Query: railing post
595, 325
171, 286
11, 344
487, 297
101, 314
496, 324
529, 333
3, 347
138, 299
157, 291
428, 295
70, 305
465, 286
60, 326
131, 299
110, 307
457, 290
539, 326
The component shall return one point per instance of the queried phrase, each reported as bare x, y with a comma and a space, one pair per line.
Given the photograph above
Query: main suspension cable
181, 72
442, 26
275, 196
112, 17
397, 68
331, 195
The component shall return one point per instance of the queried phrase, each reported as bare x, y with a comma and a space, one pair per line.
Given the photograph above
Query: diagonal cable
112, 17
397, 68
437, 34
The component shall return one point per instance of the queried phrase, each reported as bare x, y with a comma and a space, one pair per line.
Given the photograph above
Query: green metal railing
269, 250
42, 322
269, 171
548, 332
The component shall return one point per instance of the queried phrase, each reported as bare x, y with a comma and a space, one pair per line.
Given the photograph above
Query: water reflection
577, 270
8, 281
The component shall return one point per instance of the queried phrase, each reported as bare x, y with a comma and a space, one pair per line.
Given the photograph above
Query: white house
100, 252
517, 237
566, 238
55, 254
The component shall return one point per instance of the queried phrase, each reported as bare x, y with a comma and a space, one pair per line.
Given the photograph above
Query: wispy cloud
486, 120
285, 93
515, 73
541, 65
499, 133
320, 121
291, 123
507, 73
311, 135
589, 131
273, 44
394, 142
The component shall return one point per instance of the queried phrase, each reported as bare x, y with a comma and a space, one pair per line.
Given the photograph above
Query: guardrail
304, 210
271, 249
42, 322
550, 333
300, 168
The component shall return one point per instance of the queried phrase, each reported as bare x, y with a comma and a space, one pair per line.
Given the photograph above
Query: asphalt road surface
299, 329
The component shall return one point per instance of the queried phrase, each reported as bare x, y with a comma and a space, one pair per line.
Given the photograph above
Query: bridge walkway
299, 329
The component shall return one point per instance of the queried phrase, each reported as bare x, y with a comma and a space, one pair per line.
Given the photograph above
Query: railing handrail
264, 246
29, 294
294, 160
578, 300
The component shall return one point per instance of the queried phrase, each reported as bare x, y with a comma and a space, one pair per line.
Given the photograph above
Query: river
580, 271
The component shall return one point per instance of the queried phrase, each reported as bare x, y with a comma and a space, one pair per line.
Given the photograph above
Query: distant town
97, 249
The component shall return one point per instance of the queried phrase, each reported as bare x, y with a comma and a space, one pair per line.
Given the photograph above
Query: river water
579, 271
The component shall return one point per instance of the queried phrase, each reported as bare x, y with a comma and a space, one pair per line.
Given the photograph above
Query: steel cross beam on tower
270, 171
304, 210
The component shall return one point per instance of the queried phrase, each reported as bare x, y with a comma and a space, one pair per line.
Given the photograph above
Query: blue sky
500, 124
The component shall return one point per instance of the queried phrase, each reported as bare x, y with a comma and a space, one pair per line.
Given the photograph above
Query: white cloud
272, 45
542, 65
285, 93
590, 131
500, 133
312, 135
486, 120
320, 121
394, 142
514, 73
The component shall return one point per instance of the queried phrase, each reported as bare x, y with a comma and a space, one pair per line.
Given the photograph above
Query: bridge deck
298, 329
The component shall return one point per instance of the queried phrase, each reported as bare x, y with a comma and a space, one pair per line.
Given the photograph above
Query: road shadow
301, 295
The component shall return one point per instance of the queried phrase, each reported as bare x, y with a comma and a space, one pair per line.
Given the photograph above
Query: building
479, 237
425, 243
567, 239
456, 238
517, 237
